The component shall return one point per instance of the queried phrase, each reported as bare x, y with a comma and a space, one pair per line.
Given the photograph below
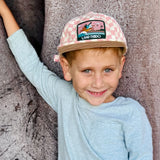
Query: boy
92, 123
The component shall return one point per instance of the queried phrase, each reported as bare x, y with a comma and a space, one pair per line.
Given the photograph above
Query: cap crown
90, 31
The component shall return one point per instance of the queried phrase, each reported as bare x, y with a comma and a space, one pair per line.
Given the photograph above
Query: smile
96, 94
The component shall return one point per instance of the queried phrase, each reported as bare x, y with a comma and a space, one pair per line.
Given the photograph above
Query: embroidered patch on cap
93, 29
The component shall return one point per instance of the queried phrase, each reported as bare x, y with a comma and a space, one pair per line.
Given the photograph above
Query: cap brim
91, 44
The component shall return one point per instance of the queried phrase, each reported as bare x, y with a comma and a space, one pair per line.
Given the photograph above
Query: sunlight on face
95, 76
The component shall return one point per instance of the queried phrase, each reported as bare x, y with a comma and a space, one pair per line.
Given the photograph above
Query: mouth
96, 94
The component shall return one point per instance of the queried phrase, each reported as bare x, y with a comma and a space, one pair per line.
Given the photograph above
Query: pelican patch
93, 29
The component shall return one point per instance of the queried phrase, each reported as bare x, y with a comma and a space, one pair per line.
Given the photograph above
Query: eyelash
86, 70
107, 70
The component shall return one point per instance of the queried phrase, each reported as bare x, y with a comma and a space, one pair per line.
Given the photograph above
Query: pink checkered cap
104, 27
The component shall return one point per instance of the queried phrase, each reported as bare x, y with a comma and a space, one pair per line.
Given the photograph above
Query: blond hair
70, 56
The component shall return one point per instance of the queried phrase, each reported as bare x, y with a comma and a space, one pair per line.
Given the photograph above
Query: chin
95, 103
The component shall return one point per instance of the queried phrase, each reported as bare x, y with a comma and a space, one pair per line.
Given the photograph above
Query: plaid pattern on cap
91, 30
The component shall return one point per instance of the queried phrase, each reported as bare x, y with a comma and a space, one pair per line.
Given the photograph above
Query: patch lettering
93, 29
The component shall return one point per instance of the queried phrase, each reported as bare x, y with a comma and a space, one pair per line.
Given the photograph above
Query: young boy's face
95, 76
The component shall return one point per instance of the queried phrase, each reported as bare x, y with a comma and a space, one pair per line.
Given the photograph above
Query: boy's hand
2, 6
10, 23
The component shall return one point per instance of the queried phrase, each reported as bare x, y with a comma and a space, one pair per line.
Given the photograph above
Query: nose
98, 81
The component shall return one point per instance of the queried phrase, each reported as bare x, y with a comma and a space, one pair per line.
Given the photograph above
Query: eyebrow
91, 67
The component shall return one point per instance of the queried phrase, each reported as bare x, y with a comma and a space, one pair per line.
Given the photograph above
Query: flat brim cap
91, 30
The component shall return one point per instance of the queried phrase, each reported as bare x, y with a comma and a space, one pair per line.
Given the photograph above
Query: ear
123, 59
66, 69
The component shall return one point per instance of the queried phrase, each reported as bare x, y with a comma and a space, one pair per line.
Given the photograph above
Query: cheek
79, 82
114, 80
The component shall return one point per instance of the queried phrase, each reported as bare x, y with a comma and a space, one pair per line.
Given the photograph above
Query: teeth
97, 93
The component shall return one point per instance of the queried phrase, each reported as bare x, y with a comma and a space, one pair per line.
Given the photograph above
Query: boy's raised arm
10, 23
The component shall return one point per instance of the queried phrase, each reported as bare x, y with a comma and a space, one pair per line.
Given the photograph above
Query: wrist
3, 8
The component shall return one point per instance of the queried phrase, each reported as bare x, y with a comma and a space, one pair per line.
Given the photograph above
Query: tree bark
28, 126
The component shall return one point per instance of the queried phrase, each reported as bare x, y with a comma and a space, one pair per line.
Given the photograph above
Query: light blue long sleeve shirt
118, 130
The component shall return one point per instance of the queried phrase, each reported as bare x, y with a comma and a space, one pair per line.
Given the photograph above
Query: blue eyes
107, 70
87, 71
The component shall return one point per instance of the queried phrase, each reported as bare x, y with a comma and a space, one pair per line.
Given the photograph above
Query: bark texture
28, 127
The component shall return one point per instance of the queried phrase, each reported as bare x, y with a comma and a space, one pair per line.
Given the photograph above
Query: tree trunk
28, 126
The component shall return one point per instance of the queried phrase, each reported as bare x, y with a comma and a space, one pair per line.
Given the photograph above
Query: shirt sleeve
46, 82
138, 135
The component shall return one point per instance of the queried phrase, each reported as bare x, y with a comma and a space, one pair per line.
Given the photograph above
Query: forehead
96, 56
96, 52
